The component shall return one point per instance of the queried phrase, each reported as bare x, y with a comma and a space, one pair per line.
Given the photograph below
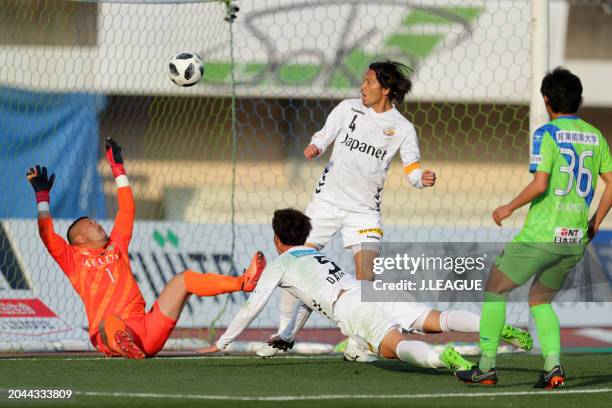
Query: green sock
547, 325
492, 320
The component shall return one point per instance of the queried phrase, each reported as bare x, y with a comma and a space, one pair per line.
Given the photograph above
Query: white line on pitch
160, 358
341, 396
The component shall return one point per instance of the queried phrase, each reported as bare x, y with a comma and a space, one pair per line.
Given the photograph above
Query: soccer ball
186, 69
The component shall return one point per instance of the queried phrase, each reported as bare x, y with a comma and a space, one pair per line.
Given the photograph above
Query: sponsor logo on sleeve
564, 235
536, 159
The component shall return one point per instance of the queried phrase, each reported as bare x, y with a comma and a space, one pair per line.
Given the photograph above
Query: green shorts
521, 261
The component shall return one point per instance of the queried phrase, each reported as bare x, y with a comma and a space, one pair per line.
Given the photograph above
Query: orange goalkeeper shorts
150, 331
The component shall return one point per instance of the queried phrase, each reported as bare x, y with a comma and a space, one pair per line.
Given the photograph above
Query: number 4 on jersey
352, 125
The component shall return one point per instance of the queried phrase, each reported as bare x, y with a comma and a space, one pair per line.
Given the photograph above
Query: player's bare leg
364, 264
499, 283
173, 297
540, 294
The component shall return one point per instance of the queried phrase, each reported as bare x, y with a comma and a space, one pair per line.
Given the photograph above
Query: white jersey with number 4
364, 145
307, 274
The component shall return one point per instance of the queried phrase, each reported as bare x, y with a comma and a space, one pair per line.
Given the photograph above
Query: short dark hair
393, 75
563, 89
291, 226
70, 227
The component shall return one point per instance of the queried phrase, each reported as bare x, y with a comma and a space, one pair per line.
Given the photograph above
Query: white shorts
405, 313
364, 322
356, 228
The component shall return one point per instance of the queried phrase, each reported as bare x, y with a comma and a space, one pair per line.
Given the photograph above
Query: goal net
209, 164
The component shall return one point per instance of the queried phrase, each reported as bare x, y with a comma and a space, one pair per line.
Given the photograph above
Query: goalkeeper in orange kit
98, 267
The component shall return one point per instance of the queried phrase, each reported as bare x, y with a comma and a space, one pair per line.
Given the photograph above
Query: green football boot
517, 337
454, 361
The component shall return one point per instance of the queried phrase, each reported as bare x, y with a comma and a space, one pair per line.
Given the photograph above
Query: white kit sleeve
268, 281
326, 136
409, 152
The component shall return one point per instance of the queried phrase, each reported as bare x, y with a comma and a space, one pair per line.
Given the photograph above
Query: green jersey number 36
582, 173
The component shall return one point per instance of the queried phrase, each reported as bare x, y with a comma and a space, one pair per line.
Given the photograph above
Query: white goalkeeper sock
122, 181
459, 321
287, 306
418, 353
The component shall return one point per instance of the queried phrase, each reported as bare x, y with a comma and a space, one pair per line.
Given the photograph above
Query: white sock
418, 353
287, 306
460, 321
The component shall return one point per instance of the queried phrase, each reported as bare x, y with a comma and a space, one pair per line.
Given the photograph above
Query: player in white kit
367, 133
324, 287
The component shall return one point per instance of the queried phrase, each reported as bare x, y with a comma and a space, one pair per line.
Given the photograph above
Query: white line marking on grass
161, 358
339, 396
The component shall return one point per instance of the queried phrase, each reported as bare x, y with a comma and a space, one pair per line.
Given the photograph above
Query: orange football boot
254, 271
119, 338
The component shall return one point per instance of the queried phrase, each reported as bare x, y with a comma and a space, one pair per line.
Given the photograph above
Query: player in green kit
568, 155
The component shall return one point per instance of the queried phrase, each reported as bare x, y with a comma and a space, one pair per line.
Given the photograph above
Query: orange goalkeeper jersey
102, 277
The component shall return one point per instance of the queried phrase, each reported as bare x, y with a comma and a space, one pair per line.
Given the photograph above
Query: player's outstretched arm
538, 185
603, 207
268, 281
328, 134
410, 154
42, 184
124, 221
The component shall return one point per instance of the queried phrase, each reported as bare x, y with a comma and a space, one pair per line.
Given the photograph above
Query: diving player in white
367, 133
324, 287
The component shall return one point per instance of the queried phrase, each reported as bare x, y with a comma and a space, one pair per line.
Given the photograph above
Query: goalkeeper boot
517, 337
254, 271
551, 379
119, 338
356, 353
454, 361
476, 376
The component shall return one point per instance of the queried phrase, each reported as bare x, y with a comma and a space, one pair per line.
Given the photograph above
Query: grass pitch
296, 382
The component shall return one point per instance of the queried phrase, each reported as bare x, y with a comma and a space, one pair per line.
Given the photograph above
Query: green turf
310, 376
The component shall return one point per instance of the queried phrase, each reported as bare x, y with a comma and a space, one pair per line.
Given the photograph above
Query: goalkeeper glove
278, 343
113, 155
40, 182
